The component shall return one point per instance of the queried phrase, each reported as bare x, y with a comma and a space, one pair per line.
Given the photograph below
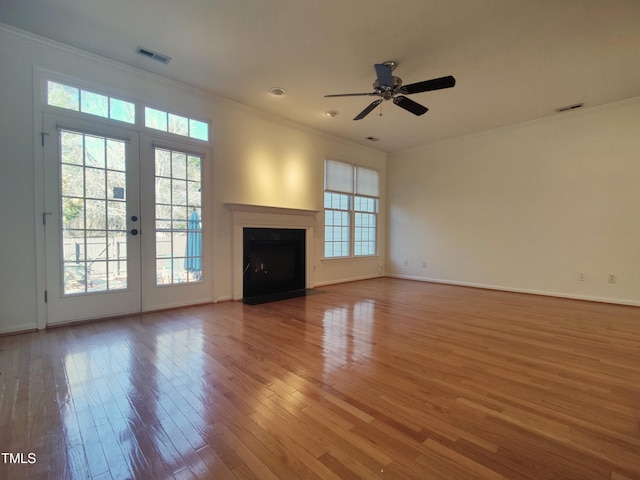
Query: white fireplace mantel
262, 216
241, 209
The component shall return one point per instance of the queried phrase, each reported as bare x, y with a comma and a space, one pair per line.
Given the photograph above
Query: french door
92, 219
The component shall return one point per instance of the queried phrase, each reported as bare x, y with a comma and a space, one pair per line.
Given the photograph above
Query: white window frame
346, 183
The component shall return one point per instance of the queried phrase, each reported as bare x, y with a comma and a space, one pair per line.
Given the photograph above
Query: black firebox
274, 262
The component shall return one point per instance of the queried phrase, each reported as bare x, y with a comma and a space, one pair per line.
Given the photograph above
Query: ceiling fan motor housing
385, 91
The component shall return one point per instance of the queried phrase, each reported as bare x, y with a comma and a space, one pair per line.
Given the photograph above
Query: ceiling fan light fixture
277, 91
331, 113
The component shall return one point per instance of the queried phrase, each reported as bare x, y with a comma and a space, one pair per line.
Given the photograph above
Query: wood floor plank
214, 467
377, 379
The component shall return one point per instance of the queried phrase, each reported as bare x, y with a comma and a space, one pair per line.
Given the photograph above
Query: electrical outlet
582, 277
406, 263
424, 264
613, 278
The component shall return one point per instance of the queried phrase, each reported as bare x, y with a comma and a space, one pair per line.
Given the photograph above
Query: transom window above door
80, 100
77, 99
176, 124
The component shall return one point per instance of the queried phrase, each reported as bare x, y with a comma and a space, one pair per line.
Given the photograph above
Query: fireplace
263, 218
274, 261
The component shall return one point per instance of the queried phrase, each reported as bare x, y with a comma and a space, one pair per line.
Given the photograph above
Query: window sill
354, 257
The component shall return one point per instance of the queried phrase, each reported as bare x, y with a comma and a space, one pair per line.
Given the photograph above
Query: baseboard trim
17, 330
345, 280
116, 316
571, 296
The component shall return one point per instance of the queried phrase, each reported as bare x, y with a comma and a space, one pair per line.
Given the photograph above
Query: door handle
134, 231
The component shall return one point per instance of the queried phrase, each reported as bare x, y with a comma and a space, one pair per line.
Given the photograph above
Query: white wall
265, 163
525, 208
17, 244
257, 159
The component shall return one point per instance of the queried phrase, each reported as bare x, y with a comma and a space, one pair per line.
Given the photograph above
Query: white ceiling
514, 60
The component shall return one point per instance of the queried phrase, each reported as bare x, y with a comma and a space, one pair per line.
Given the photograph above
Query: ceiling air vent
154, 55
569, 107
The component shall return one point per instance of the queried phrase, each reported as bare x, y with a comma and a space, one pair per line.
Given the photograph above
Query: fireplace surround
252, 217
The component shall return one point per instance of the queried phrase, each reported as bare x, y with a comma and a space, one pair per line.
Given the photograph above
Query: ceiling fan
389, 87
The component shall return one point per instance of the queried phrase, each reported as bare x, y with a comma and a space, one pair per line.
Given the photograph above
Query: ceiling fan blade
385, 77
409, 105
350, 95
368, 110
429, 85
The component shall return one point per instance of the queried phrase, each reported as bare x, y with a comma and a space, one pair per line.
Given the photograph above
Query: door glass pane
72, 180
94, 213
194, 170
94, 151
163, 190
179, 192
116, 185
178, 165
115, 155
71, 148
178, 217
94, 182
163, 163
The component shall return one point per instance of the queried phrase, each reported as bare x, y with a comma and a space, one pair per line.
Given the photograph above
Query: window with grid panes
351, 198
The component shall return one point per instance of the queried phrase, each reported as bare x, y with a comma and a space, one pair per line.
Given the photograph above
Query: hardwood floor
379, 379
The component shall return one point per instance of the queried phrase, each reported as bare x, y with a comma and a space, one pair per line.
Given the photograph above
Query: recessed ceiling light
277, 91
331, 113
